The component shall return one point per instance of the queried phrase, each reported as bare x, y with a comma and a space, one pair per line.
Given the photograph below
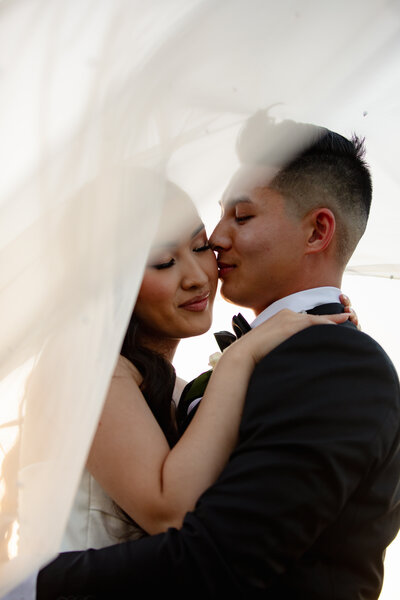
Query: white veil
91, 92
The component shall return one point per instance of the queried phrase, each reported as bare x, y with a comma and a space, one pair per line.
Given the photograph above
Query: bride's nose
193, 275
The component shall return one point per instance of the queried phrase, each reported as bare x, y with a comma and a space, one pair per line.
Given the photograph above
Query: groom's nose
220, 238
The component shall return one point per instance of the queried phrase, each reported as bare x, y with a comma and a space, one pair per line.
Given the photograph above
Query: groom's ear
320, 225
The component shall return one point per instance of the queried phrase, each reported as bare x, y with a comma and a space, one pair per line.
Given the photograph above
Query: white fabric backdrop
92, 89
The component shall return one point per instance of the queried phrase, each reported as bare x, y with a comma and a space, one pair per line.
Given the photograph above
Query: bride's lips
196, 304
224, 269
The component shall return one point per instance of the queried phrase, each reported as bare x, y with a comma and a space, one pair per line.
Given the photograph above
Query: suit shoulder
335, 373
333, 351
345, 335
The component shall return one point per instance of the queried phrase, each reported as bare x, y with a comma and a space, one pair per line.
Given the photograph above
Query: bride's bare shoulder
124, 368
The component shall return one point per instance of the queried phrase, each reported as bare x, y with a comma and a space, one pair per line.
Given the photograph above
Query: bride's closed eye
164, 265
203, 248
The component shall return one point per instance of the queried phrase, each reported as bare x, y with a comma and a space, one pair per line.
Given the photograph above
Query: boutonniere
196, 388
214, 358
193, 392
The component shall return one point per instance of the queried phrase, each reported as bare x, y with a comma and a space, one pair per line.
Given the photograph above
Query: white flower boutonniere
214, 358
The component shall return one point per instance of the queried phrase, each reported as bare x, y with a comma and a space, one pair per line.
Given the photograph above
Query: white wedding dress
95, 520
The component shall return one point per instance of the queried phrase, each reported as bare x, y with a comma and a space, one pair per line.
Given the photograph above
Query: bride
140, 477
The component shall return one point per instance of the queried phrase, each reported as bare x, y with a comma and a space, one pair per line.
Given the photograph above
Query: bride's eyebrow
197, 230
176, 243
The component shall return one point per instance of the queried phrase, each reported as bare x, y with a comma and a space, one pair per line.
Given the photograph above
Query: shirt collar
300, 302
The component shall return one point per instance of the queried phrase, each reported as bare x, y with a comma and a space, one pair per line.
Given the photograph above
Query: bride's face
176, 297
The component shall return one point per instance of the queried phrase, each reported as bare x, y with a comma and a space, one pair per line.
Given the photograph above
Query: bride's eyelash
202, 248
170, 263
165, 265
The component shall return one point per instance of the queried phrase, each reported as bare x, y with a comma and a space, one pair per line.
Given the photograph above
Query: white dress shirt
300, 302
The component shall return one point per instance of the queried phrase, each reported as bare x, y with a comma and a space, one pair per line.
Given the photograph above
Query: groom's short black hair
316, 167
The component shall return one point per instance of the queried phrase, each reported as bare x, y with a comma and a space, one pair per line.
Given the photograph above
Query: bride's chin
202, 327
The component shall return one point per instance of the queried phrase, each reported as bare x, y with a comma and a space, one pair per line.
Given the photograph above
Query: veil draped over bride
93, 95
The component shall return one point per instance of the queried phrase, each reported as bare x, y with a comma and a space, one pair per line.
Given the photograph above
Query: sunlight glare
14, 539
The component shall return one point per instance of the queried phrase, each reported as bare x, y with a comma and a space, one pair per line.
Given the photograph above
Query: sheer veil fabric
102, 103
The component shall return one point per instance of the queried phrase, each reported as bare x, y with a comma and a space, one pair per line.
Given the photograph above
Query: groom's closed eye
243, 219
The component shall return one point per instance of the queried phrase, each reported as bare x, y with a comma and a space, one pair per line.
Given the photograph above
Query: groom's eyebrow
235, 201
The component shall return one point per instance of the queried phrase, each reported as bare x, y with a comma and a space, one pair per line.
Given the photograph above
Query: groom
310, 497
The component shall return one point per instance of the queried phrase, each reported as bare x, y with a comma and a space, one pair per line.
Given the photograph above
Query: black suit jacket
306, 505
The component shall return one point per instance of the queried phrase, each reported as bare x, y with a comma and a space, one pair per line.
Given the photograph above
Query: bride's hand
265, 337
345, 300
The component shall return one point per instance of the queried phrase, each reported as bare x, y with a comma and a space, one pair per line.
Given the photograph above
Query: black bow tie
225, 338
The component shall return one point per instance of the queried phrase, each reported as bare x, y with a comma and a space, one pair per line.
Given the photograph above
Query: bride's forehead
177, 213
173, 237
176, 202
179, 222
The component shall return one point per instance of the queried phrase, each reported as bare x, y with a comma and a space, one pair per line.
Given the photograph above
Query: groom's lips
224, 269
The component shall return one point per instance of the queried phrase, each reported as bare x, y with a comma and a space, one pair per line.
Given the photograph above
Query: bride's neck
164, 346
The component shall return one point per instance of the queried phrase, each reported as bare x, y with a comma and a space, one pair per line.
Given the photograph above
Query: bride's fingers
349, 315
337, 318
345, 300
292, 322
353, 317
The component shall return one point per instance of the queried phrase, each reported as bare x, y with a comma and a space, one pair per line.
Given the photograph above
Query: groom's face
258, 242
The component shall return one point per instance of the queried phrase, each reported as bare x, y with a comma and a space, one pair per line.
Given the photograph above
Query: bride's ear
320, 228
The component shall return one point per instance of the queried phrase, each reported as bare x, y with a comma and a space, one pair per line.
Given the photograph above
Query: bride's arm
130, 456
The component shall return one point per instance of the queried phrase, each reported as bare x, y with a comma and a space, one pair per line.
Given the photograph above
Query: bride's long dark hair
158, 379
